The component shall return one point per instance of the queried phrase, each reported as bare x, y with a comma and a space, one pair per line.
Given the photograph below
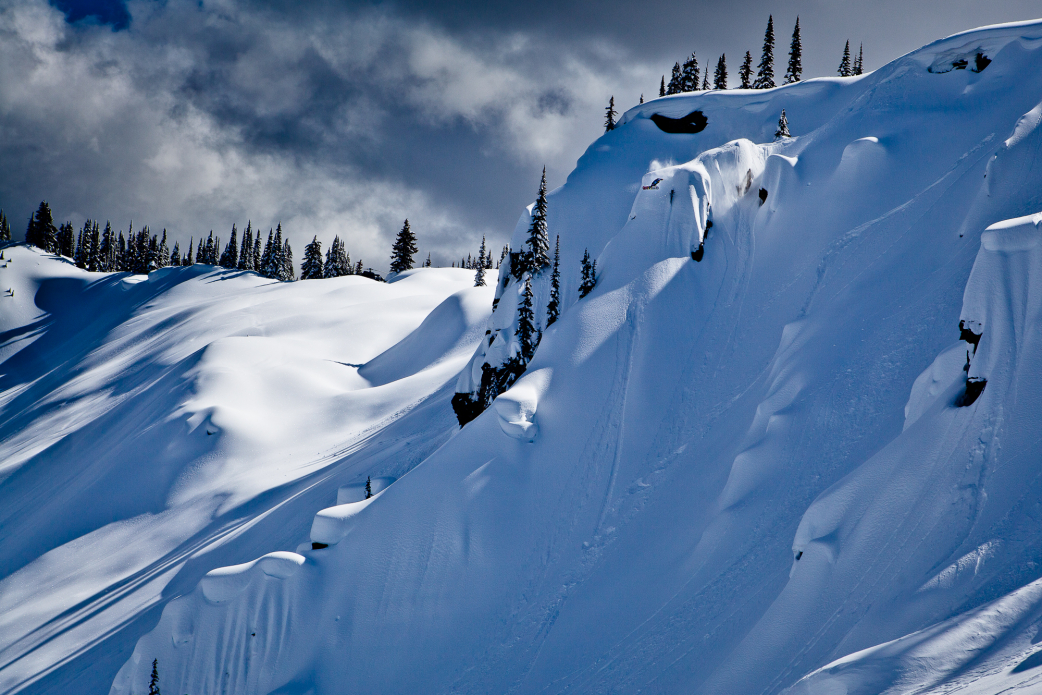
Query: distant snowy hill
791, 442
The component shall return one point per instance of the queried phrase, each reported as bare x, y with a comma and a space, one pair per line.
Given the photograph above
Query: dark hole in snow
315, 545
799, 554
694, 122
709, 225
974, 388
968, 335
1033, 661
980, 62
697, 254
763, 196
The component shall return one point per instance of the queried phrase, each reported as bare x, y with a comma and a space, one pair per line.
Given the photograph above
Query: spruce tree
526, 332
641, 98
210, 251
845, 69
153, 684
765, 71
745, 73
230, 257
275, 259
257, 253
427, 263
662, 87
246, 250
368, 487
163, 257
330, 269
720, 76
859, 62
41, 231
479, 274
265, 259
108, 249
689, 74
553, 307
311, 266
795, 70
121, 254
175, 255
609, 115
94, 250
783, 127
589, 275
78, 256
189, 259
403, 250
537, 256
675, 81
358, 268
288, 274
5, 228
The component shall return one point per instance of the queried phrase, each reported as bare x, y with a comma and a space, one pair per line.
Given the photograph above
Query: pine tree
479, 274
675, 81
200, 252
589, 275
783, 127
526, 332
5, 227
189, 259
311, 267
705, 82
641, 98
745, 73
537, 257
163, 257
662, 87
553, 307
230, 257
330, 269
720, 76
209, 253
427, 263
257, 252
765, 71
246, 250
845, 69
108, 249
175, 255
287, 274
368, 487
403, 250
689, 74
152, 256
41, 231
795, 70
121, 254
94, 249
265, 259
153, 684
859, 62
609, 115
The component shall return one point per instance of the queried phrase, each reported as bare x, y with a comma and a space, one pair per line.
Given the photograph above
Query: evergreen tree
230, 257
526, 333
689, 74
553, 307
311, 267
479, 274
189, 259
175, 255
331, 268
358, 268
662, 87
265, 259
720, 76
795, 70
427, 263
745, 73
845, 69
246, 250
66, 240
152, 253
368, 487
403, 250
94, 250
783, 127
641, 98
859, 62
211, 250
78, 256
108, 249
200, 252
41, 231
705, 82
153, 684
5, 227
257, 252
163, 257
288, 274
121, 254
609, 115
765, 71
675, 81
537, 256
589, 275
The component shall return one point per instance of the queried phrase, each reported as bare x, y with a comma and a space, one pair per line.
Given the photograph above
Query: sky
345, 118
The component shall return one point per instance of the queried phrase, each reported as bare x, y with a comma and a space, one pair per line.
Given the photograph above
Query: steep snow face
154, 428
717, 475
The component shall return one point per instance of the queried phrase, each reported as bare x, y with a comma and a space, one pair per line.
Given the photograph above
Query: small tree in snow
705, 81
845, 69
403, 250
368, 487
153, 684
859, 62
589, 275
720, 76
609, 116
553, 307
689, 74
5, 227
795, 69
745, 73
479, 274
675, 81
783, 127
526, 333
765, 71
311, 266
661, 93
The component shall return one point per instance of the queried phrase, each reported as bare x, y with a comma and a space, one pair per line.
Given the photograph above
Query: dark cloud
345, 118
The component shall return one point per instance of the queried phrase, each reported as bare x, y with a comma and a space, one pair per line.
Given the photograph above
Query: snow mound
223, 583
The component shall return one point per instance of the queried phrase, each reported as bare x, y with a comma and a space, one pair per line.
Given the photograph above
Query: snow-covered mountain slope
154, 428
716, 476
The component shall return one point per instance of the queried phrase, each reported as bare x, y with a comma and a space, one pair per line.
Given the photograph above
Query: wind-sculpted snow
746, 462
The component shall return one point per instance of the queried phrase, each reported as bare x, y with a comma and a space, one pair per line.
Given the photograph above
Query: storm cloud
346, 118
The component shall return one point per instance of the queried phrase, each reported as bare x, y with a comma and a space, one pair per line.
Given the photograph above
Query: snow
749, 473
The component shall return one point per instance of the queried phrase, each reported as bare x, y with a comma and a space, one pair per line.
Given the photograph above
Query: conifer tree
311, 266
689, 74
152, 252
745, 73
246, 250
537, 256
330, 269
230, 257
765, 71
358, 268
288, 274
795, 70
675, 81
200, 252
589, 275
783, 127
720, 76
641, 98
265, 259
5, 227
163, 257
526, 333
368, 487
175, 255
662, 87
210, 250
94, 250
403, 249
66, 240
553, 307
121, 254
189, 259
845, 69
609, 115
108, 249
705, 82
41, 231
859, 62
479, 274
427, 263
153, 684
78, 257
257, 252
